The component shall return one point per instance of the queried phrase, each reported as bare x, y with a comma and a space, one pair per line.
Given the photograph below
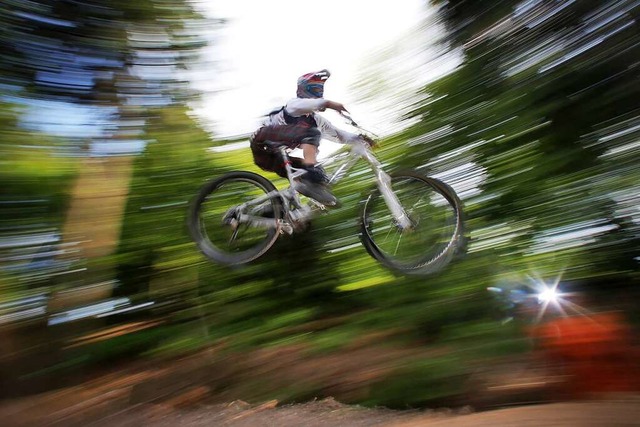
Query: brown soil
612, 411
199, 391
328, 412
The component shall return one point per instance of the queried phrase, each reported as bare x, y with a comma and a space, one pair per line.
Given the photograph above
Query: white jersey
298, 107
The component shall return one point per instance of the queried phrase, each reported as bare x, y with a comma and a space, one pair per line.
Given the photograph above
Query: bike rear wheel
214, 218
436, 233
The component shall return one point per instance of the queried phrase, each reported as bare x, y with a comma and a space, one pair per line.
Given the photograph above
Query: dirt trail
113, 409
596, 413
187, 392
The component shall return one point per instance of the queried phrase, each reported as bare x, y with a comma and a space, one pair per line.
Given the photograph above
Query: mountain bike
409, 222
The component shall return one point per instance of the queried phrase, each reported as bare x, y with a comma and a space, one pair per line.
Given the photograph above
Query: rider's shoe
319, 192
316, 174
313, 184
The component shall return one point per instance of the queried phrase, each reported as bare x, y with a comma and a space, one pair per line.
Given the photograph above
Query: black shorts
290, 135
268, 158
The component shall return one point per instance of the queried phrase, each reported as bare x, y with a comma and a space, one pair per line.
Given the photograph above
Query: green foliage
528, 115
154, 239
430, 381
541, 146
37, 181
530, 138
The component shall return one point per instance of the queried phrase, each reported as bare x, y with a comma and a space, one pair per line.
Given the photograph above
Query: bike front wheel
216, 217
436, 232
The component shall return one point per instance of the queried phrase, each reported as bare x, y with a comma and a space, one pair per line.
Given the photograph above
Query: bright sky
266, 45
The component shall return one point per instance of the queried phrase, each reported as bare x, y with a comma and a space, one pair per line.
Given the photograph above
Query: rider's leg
310, 153
309, 145
313, 183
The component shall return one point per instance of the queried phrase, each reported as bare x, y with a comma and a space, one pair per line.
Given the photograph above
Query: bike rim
222, 238
430, 241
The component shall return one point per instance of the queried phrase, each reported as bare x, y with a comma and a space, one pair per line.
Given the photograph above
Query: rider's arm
332, 133
300, 106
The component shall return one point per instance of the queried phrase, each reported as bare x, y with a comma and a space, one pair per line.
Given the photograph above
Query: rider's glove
370, 141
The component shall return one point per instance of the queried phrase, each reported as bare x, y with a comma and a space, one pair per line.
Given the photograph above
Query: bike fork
398, 212
384, 185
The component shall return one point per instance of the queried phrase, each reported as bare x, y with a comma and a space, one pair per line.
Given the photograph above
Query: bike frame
359, 151
300, 212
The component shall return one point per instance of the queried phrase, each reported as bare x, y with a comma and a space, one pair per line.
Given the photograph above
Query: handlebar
346, 115
350, 120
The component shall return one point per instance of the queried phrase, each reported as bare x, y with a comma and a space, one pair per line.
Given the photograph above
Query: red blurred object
596, 352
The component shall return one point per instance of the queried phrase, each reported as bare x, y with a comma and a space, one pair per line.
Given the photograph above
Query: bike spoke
391, 226
214, 218
398, 244
234, 235
434, 225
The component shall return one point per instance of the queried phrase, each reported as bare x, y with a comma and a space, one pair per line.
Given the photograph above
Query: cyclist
295, 125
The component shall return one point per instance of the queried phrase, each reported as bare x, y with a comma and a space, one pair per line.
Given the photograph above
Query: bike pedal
286, 228
317, 205
231, 222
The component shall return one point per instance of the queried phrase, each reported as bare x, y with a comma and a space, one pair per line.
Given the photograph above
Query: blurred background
113, 113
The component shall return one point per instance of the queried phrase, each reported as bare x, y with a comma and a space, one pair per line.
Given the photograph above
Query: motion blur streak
528, 109
84, 88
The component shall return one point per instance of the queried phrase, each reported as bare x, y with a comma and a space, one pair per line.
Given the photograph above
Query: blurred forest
536, 129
